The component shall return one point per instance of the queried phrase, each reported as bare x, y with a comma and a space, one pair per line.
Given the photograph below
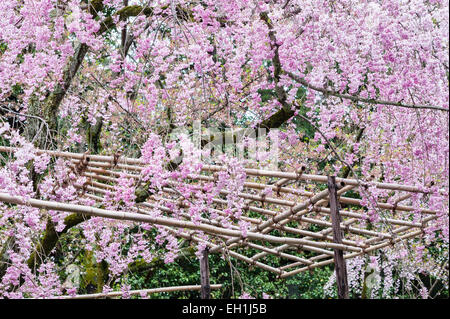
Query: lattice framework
294, 224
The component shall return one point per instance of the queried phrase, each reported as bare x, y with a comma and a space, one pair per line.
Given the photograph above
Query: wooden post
204, 275
339, 261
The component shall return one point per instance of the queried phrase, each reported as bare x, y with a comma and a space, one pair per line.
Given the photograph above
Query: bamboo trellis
293, 224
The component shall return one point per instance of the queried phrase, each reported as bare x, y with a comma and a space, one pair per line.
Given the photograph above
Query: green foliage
3, 47
309, 285
266, 94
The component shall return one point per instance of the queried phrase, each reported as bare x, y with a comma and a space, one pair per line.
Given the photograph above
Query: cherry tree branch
356, 98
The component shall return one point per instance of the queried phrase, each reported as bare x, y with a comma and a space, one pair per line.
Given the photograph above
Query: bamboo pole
254, 197
113, 165
260, 186
139, 292
352, 255
278, 253
78, 156
354, 201
121, 215
323, 179
362, 217
317, 235
348, 228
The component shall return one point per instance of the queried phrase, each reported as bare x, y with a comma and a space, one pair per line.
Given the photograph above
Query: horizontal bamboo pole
347, 228
107, 173
262, 199
260, 186
354, 201
317, 257
78, 156
392, 221
278, 253
140, 291
352, 255
323, 179
249, 171
112, 165
121, 215
317, 235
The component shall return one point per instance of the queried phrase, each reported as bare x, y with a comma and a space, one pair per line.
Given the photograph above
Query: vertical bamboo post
339, 262
204, 275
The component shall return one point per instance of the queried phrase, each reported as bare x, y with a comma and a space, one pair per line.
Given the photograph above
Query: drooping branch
123, 14
356, 98
136, 10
